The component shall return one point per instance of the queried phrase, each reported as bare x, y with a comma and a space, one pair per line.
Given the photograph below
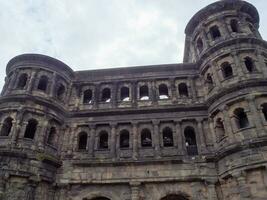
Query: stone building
190, 131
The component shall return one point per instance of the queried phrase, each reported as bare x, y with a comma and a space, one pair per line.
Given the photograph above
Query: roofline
219, 6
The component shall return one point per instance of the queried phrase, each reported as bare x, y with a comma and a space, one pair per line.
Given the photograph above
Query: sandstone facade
190, 131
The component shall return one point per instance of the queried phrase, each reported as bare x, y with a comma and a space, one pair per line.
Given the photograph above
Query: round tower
224, 41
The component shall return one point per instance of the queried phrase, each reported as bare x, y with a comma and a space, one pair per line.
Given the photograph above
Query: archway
97, 198
174, 197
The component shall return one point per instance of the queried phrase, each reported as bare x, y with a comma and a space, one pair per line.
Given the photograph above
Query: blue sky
95, 34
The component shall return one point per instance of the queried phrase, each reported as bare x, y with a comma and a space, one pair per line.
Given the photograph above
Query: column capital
113, 124
155, 122
92, 126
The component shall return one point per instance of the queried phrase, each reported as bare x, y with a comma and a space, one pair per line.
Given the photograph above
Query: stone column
173, 91
52, 85
135, 190
92, 140
255, 115
179, 136
228, 124
13, 81
114, 94
134, 93
200, 133
243, 189
30, 85
192, 88
113, 140
41, 134
156, 137
71, 144
239, 66
224, 29
135, 140
2, 185
63, 192
215, 72
212, 194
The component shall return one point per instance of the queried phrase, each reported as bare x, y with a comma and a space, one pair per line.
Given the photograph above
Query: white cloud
99, 33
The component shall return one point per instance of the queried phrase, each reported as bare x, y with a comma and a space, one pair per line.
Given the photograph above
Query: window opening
87, 96
103, 140
163, 91
183, 91
125, 94
6, 127
22, 81
241, 118
143, 93
190, 141
42, 85
106, 95
227, 70
82, 141
215, 32
167, 137
146, 140
124, 139
31, 129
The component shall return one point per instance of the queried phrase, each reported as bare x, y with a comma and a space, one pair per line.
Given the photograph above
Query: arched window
215, 32
6, 127
60, 91
125, 94
249, 64
167, 137
87, 96
241, 118
42, 85
209, 79
31, 129
190, 141
124, 139
52, 136
106, 95
143, 93
22, 81
264, 110
219, 128
146, 140
234, 25
99, 198
174, 197
227, 70
103, 140
163, 91
199, 45
82, 141
183, 91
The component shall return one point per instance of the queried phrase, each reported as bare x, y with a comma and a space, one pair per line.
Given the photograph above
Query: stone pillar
31, 82
179, 136
2, 185
113, 140
205, 38
134, 93
63, 192
135, 140
243, 189
201, 137
224, 29
153, 93
41, 134
92, 140
156, 137
215, 72
228, 125
13, 81
255, 116
52, 85
114, 94
173, 91
239, 66
135, 190
192, 87
212, 194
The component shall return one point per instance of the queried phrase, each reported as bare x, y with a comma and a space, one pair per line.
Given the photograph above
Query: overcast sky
95, 34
